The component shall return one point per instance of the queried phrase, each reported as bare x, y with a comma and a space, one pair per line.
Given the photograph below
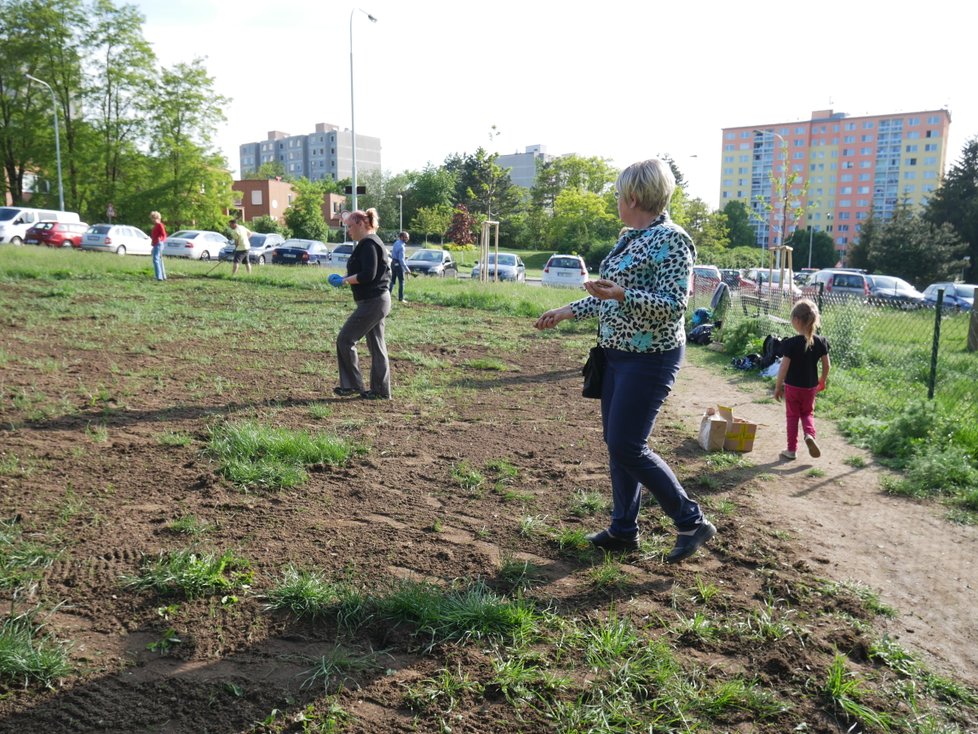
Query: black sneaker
345, 391
606, 541
686, 545
371, 395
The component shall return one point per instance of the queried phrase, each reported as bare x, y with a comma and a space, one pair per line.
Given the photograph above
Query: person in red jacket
158, 237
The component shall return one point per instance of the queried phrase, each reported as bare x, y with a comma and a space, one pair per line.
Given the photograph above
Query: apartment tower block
837, 171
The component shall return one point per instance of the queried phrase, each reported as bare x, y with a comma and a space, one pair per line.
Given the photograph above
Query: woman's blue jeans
158, 262
635, 387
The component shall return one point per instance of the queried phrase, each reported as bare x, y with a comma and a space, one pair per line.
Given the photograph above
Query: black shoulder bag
593, 371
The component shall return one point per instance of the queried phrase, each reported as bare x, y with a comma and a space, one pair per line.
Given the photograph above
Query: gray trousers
367, 320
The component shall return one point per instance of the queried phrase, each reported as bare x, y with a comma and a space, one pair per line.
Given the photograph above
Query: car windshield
7, 213
962, 290
257, 240
187, 234
564, 262
298, 244
429, 256
503, 259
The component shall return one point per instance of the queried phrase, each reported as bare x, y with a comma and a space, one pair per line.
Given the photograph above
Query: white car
118, 238
341, 253
197, 244
768, 278
568, 271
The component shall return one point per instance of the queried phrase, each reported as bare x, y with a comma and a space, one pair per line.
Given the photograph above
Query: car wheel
120, 250
17, 241
261, 259
205, 255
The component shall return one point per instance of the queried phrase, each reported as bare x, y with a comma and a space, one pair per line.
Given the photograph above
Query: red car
56, 234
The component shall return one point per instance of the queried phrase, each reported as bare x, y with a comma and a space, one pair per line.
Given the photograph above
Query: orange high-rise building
839, 170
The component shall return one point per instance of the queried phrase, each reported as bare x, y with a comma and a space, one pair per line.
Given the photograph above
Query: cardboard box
713, 430
740, 433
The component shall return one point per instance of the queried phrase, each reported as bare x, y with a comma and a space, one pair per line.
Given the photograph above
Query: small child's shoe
789, 455
813, 449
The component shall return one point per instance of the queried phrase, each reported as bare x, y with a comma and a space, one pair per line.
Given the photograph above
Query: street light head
372, 18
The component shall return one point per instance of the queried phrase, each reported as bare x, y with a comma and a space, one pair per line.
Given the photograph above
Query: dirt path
847, 528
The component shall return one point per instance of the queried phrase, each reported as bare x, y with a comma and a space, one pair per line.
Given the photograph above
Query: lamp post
784, 182
400, 213
353, 123
57, 138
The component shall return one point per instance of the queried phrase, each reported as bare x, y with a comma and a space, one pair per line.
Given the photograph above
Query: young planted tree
432, 219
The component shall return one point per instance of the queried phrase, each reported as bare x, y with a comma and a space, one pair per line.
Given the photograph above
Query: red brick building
271, 197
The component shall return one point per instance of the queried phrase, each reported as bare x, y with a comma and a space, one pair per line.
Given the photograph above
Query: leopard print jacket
654, 266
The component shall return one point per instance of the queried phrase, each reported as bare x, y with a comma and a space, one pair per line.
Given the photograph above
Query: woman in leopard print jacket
640, 301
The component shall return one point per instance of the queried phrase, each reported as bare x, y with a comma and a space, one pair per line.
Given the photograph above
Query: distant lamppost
353, 123
57, 138
400, 213
784, 182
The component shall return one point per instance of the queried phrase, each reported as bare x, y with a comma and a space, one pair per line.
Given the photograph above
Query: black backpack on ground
773, 350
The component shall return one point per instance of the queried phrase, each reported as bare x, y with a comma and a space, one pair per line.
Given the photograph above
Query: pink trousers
799, 404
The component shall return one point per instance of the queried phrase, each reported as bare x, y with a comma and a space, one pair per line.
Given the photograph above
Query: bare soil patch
397, 513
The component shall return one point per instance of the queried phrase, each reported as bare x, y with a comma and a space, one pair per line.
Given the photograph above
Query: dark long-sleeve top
653, 265
368, 262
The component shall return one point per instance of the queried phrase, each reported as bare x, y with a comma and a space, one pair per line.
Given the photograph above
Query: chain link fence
885, 354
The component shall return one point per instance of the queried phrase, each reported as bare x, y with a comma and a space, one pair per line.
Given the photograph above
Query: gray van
842, 283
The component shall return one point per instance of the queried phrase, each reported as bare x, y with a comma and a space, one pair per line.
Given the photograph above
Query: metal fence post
818, 296
938, 310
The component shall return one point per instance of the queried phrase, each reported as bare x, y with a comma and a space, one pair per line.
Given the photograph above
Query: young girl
798, 379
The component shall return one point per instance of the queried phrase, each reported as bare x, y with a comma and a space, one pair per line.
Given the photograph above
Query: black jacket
369, 262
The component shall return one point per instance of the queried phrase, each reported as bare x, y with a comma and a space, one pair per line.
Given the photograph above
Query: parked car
16, 220
705, 279
509, 267
764, 279
804, 276
842, 283
341, 253
956, 295
432, 262
567, 271
56, 234
197, 244
887, 290
301, 252
735, 280
261, 246
118, 238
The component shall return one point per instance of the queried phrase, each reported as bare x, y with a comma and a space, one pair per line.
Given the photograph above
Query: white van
16, 220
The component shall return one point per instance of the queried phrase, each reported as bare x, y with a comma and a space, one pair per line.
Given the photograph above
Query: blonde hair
368, 218
806, 312
155, 215
650, 183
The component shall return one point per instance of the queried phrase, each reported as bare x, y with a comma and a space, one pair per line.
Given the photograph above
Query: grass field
196, 531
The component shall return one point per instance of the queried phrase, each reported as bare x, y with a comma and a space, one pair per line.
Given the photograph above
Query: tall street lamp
57, 138
353, 123
400, 212
784, 182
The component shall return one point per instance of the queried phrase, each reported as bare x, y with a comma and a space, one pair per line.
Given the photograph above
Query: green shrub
745, 337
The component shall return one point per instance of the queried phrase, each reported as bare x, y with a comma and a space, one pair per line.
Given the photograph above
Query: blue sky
621, 80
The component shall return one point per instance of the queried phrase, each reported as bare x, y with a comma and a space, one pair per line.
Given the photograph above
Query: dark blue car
301, 252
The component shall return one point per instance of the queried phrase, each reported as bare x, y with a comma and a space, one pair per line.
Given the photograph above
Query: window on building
868, 125
909, 175
844, 190
729, 136
862, 190
913, 121
911, 161
930, 160
930, 174
844, 215
256, 197
850, 126
867, 138
865, 164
